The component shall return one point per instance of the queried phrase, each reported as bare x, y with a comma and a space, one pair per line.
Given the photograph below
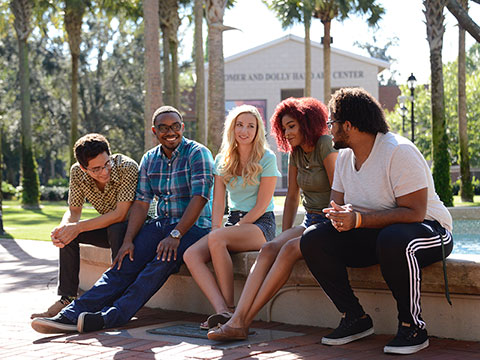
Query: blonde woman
301, 129
247, 170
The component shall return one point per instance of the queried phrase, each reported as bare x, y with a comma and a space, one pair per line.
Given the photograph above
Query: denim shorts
312, 219
266, 222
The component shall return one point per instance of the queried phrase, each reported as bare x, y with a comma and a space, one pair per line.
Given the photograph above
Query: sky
403, 19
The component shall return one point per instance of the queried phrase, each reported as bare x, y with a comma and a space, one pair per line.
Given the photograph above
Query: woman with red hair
300, 129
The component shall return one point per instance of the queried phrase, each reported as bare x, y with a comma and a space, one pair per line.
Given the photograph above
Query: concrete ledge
302, 301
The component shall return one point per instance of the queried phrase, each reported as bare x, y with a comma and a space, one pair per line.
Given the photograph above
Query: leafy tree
423, 115
22, 10
380, 52
111, 96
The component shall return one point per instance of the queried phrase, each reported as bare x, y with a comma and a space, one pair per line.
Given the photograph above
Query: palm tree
326, 11
74, 10
169, 23
216, 72
199, 72
466, 188
153, 81
290, 12
22, 10
441, 162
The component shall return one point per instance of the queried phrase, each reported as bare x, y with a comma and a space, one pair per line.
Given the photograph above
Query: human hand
63, 235
127, 248
167, 247
343, 217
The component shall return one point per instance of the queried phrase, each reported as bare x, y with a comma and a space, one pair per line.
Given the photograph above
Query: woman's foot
219, 319
204, 325
227, 333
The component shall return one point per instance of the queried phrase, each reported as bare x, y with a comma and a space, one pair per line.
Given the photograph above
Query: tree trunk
73, 24
166, 25
327, 91
200, 74
2, 231
167, 68
175, 73
466, 188
441, 162
22, 10
173, 41
308, 53
216, 73
463, 19
153, 80
74, 106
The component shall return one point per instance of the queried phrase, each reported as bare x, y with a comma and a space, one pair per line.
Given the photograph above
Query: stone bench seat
302, 301
297, 303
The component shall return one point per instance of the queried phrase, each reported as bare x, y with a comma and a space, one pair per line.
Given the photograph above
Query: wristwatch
175, 234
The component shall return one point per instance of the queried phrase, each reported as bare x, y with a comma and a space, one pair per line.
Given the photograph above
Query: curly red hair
311, 115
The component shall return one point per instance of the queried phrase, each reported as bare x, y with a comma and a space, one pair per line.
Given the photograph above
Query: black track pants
400, 249
69, 260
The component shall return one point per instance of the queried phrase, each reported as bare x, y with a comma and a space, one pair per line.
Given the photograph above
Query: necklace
307, 158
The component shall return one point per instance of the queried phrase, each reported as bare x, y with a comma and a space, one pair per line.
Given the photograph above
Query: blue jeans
119, 294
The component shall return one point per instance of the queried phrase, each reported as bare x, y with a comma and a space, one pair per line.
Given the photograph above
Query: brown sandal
218, 319
227, 333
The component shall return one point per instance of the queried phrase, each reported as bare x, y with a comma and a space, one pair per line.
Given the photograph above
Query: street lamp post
411, 81
403, 110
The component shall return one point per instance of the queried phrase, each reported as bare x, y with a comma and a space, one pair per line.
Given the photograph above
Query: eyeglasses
330, 123
98, 169
164, 128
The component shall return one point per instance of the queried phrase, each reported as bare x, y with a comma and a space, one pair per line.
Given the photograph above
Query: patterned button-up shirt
120, 187
189, 172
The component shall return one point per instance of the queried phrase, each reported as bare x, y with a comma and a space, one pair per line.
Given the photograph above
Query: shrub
57, 182
8, 190
53, 193
456, 187
476, 186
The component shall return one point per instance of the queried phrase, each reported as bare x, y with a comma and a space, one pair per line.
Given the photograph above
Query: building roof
382, 64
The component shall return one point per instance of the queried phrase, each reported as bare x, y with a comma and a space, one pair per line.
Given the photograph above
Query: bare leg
276, 277
259, 274
246, 237
196, 258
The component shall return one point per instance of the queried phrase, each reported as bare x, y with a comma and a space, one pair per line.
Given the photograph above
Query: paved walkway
27, 284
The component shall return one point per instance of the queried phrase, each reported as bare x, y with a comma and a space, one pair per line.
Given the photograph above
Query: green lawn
36, 224
458, 202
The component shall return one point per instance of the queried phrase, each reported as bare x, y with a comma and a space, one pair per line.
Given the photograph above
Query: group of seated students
368, 195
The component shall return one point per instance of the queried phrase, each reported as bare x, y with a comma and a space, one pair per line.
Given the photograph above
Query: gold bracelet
358, 219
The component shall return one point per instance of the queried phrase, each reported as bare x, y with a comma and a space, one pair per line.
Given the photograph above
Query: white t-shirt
394, 168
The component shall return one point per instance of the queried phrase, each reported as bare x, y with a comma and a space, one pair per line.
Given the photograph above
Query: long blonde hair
229, 148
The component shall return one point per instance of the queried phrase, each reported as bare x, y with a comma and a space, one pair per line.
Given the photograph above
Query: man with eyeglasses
179, 172
384, 210
108, 182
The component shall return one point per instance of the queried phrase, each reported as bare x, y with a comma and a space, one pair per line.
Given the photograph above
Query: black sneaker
409, 340
349, 330
88, 322
54, 325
